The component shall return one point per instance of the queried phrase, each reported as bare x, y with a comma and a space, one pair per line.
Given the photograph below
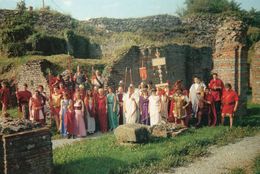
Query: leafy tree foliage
21, 6
210, 6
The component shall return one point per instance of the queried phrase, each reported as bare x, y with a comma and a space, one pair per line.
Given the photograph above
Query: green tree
210, 6
21, 6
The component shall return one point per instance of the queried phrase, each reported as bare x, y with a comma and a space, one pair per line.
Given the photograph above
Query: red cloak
102, 113
70, 122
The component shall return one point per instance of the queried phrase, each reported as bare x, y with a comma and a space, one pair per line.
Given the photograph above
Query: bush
17, 34
46, 45
210, 6
14, 49
78, 46
13, 40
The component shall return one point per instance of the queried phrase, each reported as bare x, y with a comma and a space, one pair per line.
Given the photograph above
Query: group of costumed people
82, 106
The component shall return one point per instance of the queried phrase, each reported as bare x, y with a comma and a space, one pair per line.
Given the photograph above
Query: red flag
143, 73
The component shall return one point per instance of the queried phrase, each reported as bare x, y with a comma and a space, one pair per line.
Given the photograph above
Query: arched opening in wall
206, 76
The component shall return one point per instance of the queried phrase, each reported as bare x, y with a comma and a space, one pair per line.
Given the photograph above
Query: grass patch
256, 168
237, 171
60, 60
104, 155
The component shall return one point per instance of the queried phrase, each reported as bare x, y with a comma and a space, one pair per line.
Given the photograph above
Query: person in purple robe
143, 104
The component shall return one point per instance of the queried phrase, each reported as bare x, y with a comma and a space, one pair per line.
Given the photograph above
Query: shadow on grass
251, 119
90, 165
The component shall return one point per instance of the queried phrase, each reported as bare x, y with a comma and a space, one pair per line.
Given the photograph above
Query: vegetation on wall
43, 44
77, 45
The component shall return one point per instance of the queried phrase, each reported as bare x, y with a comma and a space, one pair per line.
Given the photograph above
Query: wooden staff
50, 88
131, 78
69, 60
125, 78
93, 76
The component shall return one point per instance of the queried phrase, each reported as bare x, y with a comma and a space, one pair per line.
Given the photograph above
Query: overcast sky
85, 9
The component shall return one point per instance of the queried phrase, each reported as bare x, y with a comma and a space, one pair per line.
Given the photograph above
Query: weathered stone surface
1, 154
28, 152
255, 70
35, 73
183, 62
230, 58
167, 130
25, 147
9, 125
132, 133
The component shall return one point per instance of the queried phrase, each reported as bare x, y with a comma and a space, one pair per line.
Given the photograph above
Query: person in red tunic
56, 81
206, 108
35, 108
229, 103
212, 113
55, 103
102, 110
4, 96
216, 87
70, 122
177, 86
23, 98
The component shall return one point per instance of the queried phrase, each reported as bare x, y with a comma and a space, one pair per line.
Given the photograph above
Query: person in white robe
130, 106
98, 81
194, 96
154, 108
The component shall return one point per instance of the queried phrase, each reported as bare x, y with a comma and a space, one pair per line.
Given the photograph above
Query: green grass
256, 168
59, 60
105, 155
237, 171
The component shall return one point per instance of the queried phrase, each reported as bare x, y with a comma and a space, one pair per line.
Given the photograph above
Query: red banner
143, 73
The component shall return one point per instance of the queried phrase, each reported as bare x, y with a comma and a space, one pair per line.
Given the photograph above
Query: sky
85, 9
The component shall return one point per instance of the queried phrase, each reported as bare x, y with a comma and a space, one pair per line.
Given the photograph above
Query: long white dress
91, 120
194, 97
131, 108
154, 109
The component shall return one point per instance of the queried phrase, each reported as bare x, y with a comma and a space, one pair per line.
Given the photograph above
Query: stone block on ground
167, 130
132, 133
25, 147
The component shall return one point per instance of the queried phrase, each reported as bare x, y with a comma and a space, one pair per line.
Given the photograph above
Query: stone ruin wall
25, 150
227, 57
33, 73
28, 152
1, 154
255, 70
183, 62
230, 58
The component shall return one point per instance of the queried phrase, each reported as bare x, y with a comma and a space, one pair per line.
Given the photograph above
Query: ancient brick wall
230, 58
131, 61
1, 154
183, 62
255, 69
28, 152
34, 73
